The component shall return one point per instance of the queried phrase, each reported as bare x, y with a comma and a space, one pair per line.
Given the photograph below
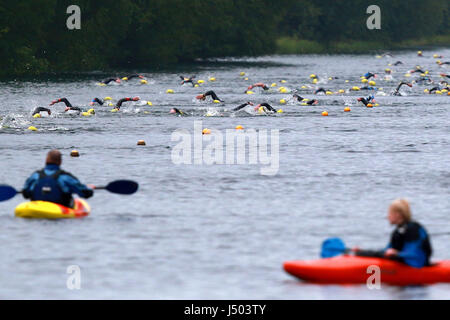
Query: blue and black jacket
54, 185
413, 244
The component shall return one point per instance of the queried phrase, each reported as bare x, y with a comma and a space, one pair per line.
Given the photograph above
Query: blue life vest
48, 189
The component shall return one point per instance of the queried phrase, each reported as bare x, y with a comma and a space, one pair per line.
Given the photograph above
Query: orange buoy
74, 153
347, 109
141, 143
325, 113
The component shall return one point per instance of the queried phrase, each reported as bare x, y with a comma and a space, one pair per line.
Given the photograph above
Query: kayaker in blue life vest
410, 243
53, 184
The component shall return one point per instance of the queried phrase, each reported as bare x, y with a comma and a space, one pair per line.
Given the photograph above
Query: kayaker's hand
391, 252
88, 193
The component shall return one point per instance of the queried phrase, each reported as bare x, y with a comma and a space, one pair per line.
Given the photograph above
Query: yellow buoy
74, 153
315, 81
212, 79
347, 109
312, 76
206, 131
246, 79
342, 91
114, 110
283, 81
407, 75
347, 81
196, 85
169, 91
356, 89
91, 111
242, 74
37, 115
273, 85
364, 80
280, 111
328, 93
304, 87
216, 101
107, 98
144, 81
426, 91
32, 128
438, 92
201, 81
324, 113
149, 103
249, 92
283, 101
372, 83
125, 78
86, 114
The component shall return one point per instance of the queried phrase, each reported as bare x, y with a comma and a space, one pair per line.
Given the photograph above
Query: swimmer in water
248, 103
369, 75
303, 100
397, 91
132, 77
397, 63
176, 111
367, 100
257, 85
443, 63
107, 81
445, 75
121, 101
418, 69
209, 93
38, 110
267, 107
69, 106
97, 100
185, 80
320, 90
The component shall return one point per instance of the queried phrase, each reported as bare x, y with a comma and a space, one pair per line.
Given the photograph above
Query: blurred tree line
144, 33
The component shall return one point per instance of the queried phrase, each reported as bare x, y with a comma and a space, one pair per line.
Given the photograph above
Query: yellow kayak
50, 210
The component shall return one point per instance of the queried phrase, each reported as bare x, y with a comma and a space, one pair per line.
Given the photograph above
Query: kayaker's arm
369, 253
29, 184
70, 184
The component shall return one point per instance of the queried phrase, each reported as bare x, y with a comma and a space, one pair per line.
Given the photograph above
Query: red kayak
353, 270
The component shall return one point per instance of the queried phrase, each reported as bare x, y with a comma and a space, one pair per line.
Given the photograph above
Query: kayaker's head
399, 212
54, 157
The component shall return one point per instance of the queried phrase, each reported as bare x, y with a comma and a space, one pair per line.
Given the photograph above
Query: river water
223, 231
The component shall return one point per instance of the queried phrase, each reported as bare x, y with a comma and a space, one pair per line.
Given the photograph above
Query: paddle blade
122, 187
7, 192
332, 247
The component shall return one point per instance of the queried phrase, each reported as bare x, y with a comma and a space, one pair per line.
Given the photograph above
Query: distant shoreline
292, 45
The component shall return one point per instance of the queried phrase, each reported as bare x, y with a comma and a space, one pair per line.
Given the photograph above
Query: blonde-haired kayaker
409, 243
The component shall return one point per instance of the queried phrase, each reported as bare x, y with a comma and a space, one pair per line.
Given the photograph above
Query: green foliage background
147, 33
